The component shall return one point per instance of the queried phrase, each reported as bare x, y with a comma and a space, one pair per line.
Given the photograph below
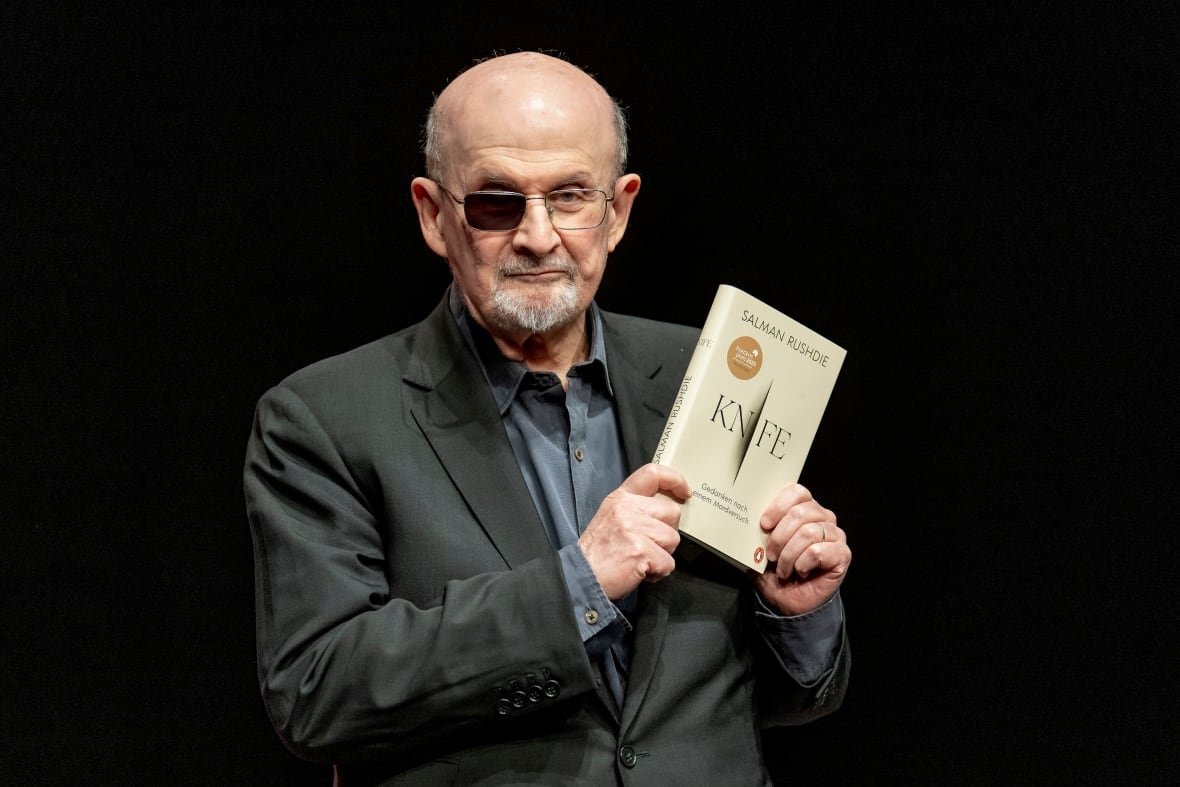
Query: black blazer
412, 620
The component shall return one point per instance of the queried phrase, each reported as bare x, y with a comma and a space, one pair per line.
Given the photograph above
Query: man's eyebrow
581, 176
485, 179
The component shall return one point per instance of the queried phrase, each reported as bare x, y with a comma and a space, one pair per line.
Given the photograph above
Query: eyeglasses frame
548, 209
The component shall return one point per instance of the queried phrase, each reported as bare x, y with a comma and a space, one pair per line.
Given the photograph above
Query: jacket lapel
458, 415
642, 393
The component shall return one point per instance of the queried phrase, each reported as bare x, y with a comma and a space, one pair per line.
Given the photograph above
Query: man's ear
626, 188
427, 197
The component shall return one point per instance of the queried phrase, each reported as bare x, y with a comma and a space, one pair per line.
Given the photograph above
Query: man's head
531, 124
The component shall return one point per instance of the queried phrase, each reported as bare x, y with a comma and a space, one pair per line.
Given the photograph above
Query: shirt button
591, 616
627, 757
579, 454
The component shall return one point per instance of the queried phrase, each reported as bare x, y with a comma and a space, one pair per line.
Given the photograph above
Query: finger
629, 517
661, 565
661, 508
651, 479
632, 508
804, 537
787, 498
798, 518
835, 533
665, 536
828, 557
804, 512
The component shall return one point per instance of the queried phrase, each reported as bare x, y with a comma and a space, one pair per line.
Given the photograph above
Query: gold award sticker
744, 357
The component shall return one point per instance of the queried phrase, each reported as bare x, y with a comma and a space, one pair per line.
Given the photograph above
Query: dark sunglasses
500, 211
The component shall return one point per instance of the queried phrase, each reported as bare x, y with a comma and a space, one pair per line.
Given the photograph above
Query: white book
744, 419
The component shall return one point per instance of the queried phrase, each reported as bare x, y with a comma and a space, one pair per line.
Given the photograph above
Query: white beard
518, 311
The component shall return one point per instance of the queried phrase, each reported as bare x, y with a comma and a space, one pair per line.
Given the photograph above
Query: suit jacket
412, 619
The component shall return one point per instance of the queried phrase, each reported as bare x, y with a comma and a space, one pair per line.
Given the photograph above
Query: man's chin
536, 312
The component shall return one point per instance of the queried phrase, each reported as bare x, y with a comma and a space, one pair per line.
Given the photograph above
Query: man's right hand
632, 536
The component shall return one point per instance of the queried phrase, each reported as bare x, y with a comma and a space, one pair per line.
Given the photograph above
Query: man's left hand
808, 553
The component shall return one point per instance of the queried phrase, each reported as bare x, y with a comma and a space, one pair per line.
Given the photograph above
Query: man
466, 570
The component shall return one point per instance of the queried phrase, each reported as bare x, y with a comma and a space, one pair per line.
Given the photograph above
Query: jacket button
627, 757
535, 693
519, 698
551, 688
503, 707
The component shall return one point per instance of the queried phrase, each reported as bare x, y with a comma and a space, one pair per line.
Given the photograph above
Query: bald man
467, 571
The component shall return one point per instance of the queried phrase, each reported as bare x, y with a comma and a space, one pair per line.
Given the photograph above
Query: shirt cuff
600, 622
805, 644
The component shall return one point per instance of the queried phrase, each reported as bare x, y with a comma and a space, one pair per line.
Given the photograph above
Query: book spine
707, 346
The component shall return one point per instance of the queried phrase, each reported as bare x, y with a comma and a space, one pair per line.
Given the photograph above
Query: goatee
536, 313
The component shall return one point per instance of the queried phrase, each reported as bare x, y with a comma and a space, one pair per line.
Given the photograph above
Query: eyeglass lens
490, 211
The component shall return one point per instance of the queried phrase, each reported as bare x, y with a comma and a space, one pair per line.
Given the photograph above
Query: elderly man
466, 570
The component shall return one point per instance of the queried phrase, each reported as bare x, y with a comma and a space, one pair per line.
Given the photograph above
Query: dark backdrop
979, 204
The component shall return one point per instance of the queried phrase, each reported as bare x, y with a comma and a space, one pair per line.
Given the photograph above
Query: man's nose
536, 233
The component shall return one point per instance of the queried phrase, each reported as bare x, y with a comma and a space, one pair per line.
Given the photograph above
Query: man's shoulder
371, 375
373, 359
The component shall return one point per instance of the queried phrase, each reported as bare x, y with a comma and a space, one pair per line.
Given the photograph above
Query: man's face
530, 135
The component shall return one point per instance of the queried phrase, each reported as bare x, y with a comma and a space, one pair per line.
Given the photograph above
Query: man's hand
808, 553
632, 536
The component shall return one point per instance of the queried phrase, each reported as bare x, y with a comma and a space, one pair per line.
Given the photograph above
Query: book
744, 419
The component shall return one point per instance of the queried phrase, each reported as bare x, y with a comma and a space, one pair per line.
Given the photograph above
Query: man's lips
557, 272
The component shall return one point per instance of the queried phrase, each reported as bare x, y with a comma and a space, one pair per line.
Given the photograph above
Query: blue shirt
567, 443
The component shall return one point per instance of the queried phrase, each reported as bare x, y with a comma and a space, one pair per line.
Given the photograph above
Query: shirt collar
505, 375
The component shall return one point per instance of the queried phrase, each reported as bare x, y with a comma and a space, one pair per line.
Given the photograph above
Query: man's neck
553, 351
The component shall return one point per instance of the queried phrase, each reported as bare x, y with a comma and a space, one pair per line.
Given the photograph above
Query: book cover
744, 419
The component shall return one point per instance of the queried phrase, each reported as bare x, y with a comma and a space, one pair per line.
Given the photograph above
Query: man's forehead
536, 167
515, 175
530, 103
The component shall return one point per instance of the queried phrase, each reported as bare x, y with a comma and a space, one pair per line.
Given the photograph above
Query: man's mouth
557, 272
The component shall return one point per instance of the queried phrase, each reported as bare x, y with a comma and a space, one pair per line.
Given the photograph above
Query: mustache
521, 264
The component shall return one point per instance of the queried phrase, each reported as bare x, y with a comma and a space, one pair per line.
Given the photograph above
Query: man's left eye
566, 197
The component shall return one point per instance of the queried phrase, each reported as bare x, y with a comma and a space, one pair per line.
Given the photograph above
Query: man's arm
803, 663
800, 615
347, 669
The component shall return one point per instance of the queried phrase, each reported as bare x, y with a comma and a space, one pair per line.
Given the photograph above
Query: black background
979, 203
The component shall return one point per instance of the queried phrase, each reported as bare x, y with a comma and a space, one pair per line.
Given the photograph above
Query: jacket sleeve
782, 700
349, 670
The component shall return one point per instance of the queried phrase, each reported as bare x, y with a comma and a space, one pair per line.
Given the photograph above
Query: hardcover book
744, 419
